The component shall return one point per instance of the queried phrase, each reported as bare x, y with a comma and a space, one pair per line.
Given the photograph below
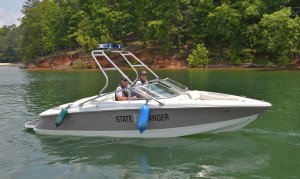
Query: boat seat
203, 95
217, 96
193, 94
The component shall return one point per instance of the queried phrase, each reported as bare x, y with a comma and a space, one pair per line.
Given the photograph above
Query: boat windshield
159, 90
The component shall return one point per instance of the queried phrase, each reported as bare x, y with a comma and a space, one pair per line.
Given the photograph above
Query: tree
39, 29
9, 44
223, 23
278, 34
84, 34
197, 25
199, 57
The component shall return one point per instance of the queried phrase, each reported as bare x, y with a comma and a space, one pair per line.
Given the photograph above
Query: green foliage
239, 56
223, 22
9, 44
39, 29
197, 14
84, 34
236, 31
278, 34
199, 57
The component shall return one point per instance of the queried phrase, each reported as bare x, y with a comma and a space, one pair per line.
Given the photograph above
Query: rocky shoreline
79, 60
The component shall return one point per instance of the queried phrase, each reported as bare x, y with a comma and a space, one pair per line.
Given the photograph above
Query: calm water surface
267, 148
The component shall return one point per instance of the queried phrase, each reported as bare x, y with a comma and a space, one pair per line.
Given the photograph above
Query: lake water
267, 148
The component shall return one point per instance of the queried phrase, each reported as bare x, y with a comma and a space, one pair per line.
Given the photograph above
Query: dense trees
278, 34
9, 45
232, 31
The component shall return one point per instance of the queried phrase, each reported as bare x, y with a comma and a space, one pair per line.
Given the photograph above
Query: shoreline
8, 64
245, 66
81, 60
180, 68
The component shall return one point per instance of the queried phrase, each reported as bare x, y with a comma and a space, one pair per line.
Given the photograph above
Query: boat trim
31, 124
224, 126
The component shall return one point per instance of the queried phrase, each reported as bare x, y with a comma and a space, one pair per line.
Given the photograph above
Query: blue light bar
110, 46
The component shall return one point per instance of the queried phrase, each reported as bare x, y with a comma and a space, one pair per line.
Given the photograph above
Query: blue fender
143, 119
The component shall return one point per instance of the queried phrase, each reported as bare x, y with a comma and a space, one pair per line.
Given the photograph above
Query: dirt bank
80, 60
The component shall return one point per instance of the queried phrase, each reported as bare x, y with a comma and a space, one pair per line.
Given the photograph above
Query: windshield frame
161, 89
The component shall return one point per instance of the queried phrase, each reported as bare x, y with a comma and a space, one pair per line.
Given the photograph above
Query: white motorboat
165, 108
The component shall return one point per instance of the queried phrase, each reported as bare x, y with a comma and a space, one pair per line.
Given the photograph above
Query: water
267, 148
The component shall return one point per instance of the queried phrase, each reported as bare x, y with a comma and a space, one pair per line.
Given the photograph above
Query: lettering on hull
158, 117
152, 118
124, 118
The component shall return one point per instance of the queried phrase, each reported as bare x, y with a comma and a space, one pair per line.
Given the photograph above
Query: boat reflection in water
164, 108
184, 157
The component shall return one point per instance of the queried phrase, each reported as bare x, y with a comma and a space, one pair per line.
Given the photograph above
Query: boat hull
173, 122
